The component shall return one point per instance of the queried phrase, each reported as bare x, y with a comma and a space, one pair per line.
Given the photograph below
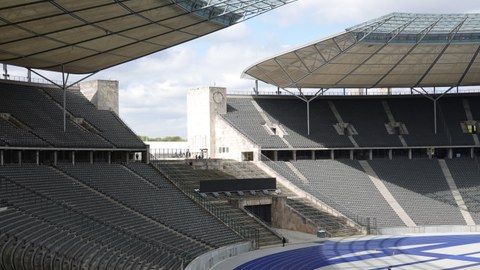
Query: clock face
217, 97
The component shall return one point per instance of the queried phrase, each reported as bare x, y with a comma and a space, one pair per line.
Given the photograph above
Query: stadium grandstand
377, 125
77, 190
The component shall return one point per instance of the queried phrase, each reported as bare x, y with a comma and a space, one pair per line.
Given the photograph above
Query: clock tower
203, 106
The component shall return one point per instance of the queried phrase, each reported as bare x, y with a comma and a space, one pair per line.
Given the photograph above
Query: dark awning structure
396, 50
87, 36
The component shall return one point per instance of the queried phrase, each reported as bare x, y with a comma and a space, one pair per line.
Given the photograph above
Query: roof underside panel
91, 35
396, 50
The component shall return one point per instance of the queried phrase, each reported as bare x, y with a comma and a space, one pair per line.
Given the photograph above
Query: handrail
248, 233
341, 92
332, 205
158, 245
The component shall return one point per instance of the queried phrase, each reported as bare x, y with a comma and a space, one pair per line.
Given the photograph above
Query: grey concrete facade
102, 93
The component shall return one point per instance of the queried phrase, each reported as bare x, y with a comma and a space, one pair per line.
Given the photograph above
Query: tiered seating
293, 120
369, 118
148, 195
453, 112
110, 126
13, 136
76, 224
466, 173
242, 114
190, 178
419, 121
343, 186
421, 189
44, 119
346, 183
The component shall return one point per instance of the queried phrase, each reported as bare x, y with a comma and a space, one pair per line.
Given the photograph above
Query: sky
153, 89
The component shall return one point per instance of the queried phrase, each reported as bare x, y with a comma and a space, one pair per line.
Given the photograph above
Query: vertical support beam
308, 117
19, 157
390, 154
435, 115
332, 154
256, 87
472, 152
29, 75
450, 153
91, 157
370, 154
109, 157
1, 157
73, 157
275, 155
351, 154
147, 155
64, 103
294, 155
37, 157
410, 153
55, 158
313, 154
5, 72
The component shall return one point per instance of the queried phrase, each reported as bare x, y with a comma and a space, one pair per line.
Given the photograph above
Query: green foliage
162, 139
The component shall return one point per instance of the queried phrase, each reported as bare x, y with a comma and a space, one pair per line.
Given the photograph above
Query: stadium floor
441, 251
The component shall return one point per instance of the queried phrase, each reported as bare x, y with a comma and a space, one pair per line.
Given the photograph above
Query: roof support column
434, 99
64, 86
5, 72
435, 116
301, 96
64, 101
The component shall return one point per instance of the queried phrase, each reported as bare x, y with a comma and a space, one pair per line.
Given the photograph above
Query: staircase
189, 180
334, 226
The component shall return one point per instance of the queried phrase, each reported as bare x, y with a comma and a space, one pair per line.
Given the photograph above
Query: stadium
369, 146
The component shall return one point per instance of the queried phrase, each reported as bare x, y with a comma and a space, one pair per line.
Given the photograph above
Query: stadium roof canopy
85, 36
396, 50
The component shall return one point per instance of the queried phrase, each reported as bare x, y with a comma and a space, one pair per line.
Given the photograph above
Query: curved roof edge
81, 37
395, 50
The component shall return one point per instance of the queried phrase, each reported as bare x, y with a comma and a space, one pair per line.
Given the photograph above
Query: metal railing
92, 223
331, 206
353, 92
248, 233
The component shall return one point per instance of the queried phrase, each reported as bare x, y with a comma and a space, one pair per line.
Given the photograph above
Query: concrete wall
203, 104
284, 217
429, 229
209, 259
227, 136
102, 93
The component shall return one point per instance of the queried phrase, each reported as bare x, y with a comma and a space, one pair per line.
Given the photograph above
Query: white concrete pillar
370, 154
55, 158
351, 154
20, 157
37, 157
91, 157
1, 157
472, 152
313, 154
332, 154
275, 155
390, 154
73, 157
409, 153
450, 153
109, 157
294, 155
